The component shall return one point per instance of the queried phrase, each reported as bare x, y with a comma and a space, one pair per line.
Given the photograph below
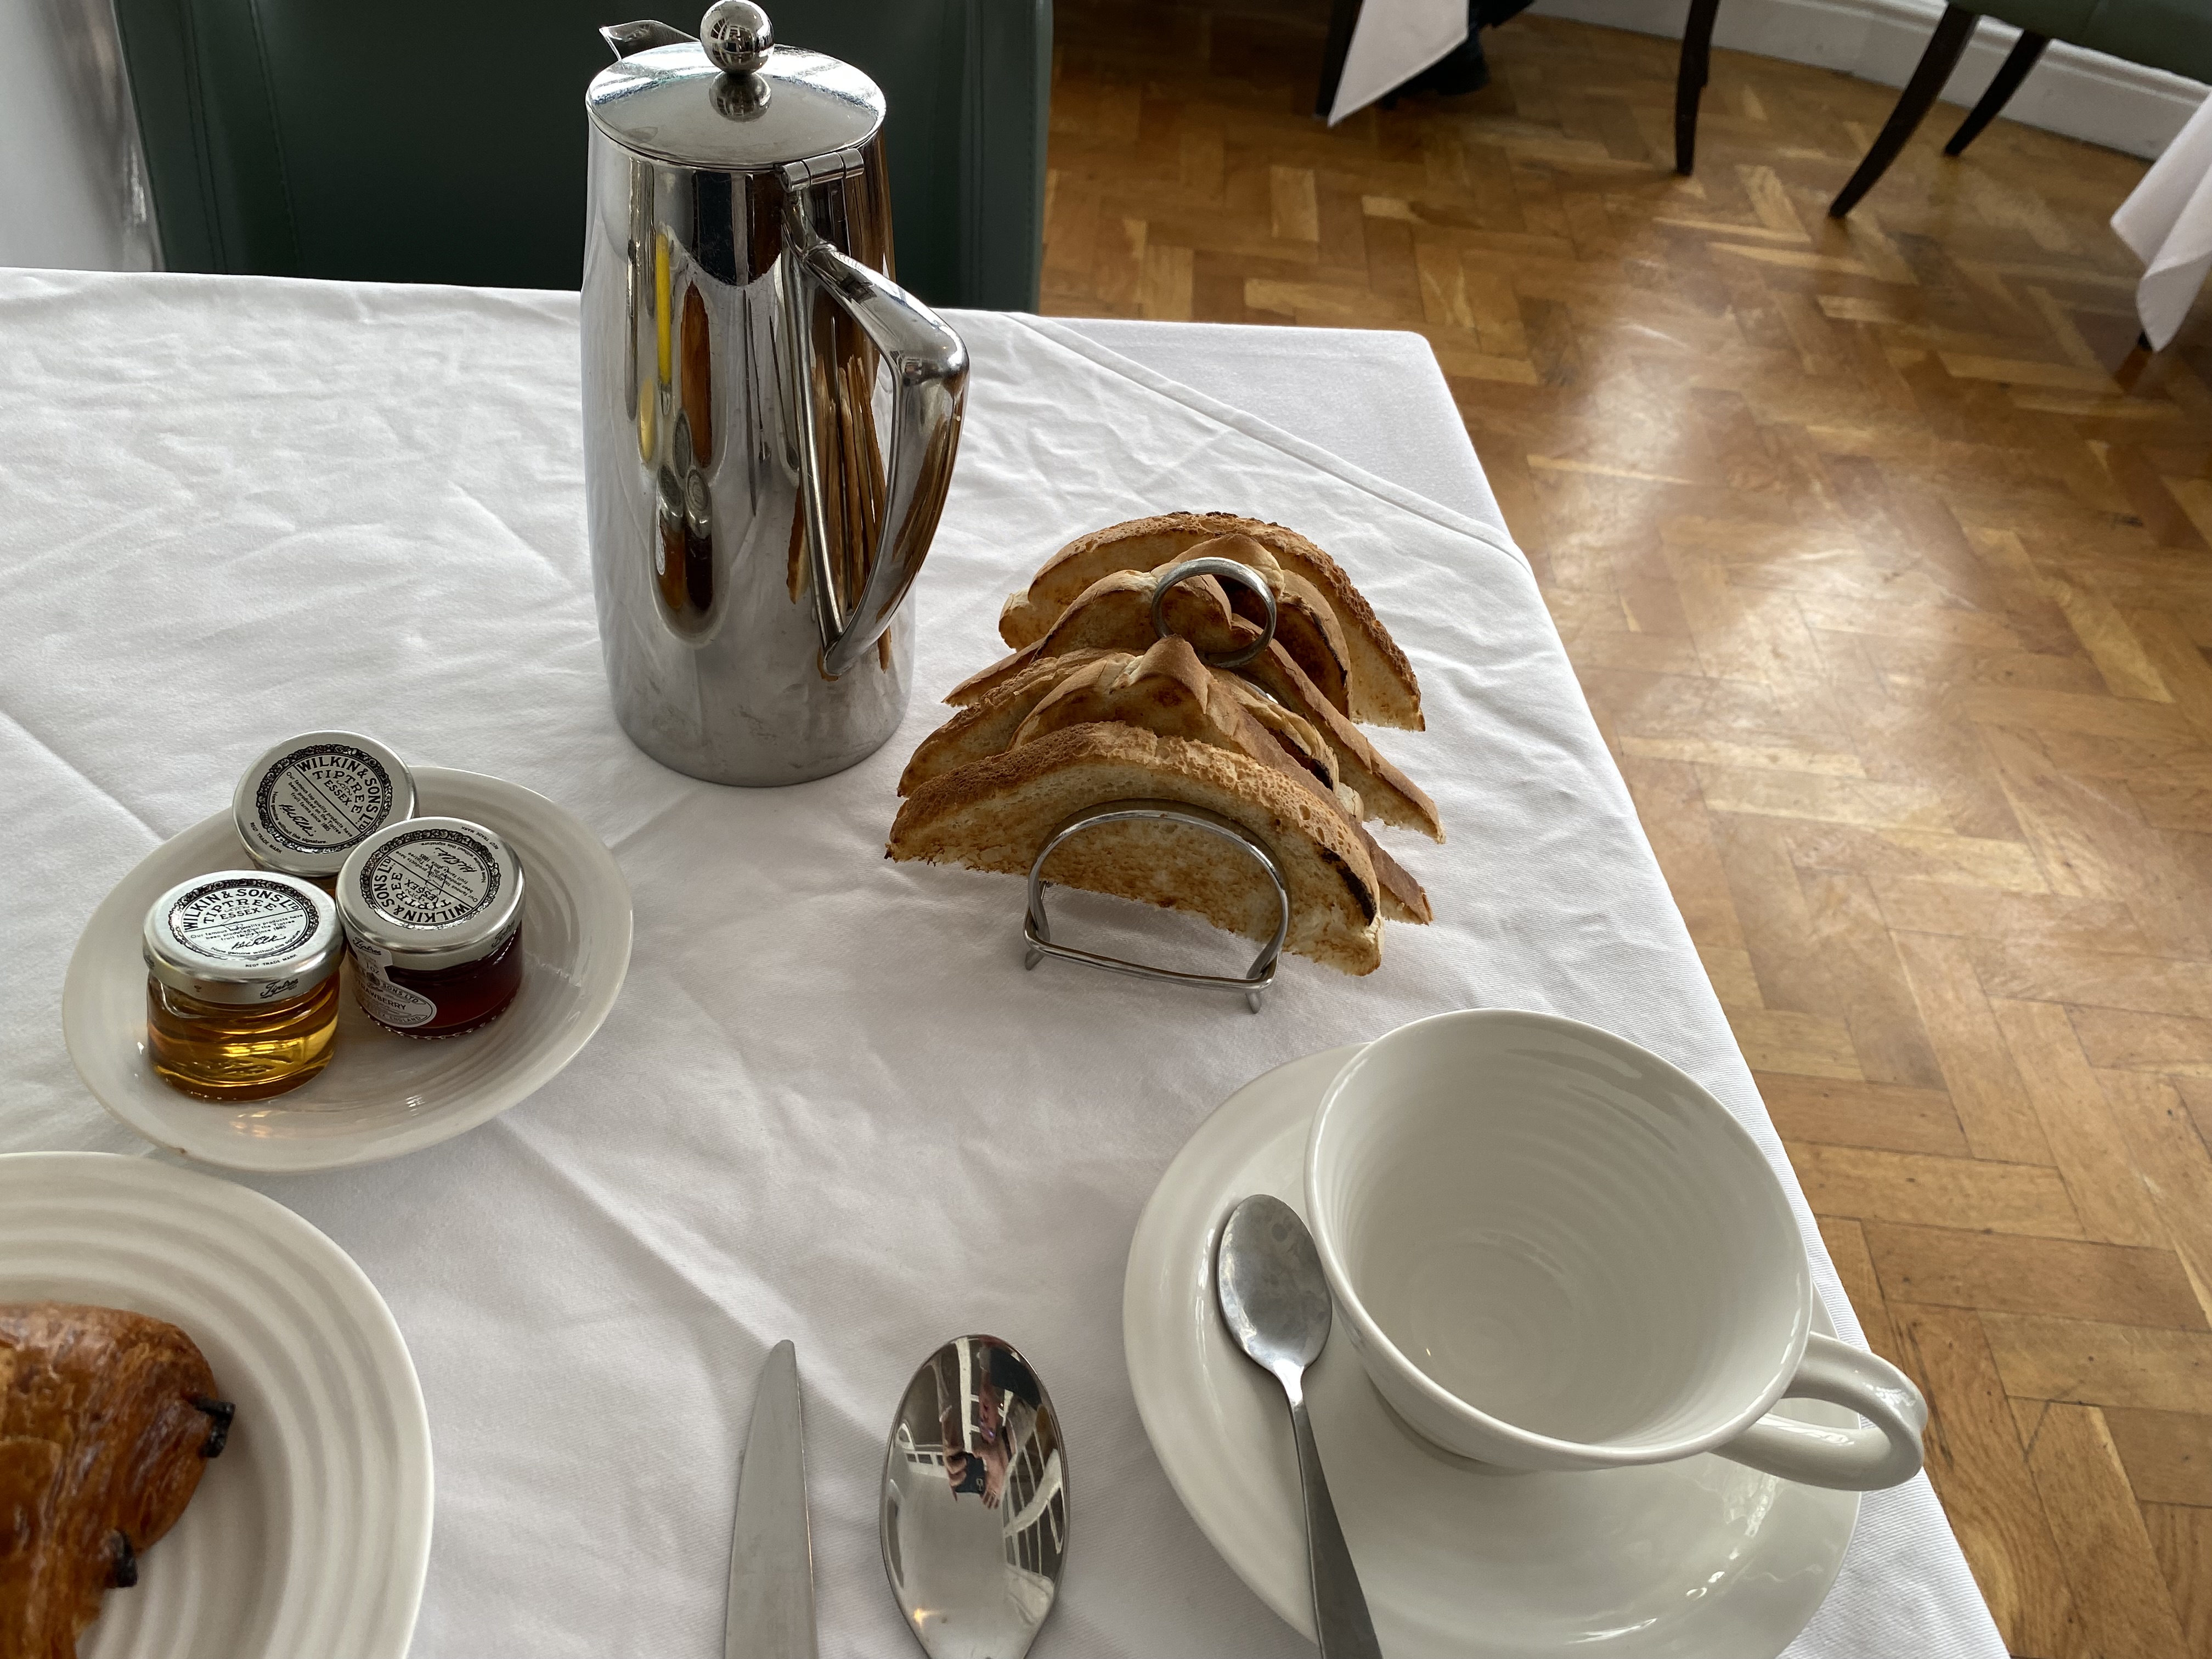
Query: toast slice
1383, 689
996, 813
1169, 692
1304, 624
1114, 614
1297, 736
1384, 792
1117, 608
986, 726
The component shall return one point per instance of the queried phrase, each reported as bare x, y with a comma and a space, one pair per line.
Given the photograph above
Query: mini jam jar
308, 802
242, 984
432, 908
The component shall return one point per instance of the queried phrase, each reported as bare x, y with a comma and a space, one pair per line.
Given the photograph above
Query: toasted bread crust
1169, 692
1115, 613
1404, 899
1382, 690
1116, 622
995, 813
986, 726
1385, 792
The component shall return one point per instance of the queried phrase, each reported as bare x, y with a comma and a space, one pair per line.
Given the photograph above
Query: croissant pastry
106, 1419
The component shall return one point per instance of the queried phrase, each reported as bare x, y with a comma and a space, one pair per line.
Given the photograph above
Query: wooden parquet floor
1885, 557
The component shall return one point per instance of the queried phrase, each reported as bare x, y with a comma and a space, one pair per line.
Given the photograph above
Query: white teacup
1552, 1251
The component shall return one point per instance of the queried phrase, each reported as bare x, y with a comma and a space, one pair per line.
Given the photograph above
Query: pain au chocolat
106, 1421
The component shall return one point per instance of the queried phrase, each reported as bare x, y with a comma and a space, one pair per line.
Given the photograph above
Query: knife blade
771, 1605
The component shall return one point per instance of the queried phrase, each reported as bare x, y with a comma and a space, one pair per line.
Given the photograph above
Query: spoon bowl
1272, 1291
974, 1517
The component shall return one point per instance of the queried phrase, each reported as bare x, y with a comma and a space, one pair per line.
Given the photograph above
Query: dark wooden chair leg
1952, 30
2010, 74
1689, 80
1341, 18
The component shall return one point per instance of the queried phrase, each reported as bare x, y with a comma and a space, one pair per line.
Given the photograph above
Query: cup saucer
1700, 1558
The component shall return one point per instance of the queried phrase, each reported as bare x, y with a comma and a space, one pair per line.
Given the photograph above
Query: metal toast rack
1036, 927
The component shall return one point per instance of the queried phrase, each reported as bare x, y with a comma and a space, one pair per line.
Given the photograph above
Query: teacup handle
1850, 1460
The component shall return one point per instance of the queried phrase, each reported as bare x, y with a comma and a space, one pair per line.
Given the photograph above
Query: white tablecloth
1374, 399
1393, 41
829, 1105
2167, 221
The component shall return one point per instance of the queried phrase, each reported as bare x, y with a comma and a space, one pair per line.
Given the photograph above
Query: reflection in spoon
975, 1502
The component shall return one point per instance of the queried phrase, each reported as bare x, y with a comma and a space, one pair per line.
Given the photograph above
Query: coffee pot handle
1852, 1459
929, 371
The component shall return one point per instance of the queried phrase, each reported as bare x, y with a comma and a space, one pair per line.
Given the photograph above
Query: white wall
2080, 93
70, 189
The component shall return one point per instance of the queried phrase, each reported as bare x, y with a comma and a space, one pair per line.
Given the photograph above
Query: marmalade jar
242, 984
432, 908
310, 800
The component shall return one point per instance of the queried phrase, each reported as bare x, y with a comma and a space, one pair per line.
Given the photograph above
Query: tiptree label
242, 921
324, 797
431, 877
382, 1001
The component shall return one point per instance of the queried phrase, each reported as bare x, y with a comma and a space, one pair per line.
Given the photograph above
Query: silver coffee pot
769, 421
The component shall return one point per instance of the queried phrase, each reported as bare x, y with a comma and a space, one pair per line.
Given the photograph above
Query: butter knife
771, 1606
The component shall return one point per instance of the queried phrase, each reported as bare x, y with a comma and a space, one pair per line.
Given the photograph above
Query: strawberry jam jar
433, 914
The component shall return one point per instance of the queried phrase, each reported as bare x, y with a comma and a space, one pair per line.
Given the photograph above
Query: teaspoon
1267, 1275
974, 1517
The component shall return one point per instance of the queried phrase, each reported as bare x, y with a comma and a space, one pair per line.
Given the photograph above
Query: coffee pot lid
732, 100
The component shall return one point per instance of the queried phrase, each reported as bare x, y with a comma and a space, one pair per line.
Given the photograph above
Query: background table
829, 1105
2168, 222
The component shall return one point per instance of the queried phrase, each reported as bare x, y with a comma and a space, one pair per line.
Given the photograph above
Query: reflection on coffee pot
769, 421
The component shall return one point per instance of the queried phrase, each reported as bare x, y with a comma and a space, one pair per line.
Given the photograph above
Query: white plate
1700, 1558
310, 1534
381, 1095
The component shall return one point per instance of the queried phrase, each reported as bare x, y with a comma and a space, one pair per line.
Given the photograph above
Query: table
1385, 43
829, 1106
2167, 221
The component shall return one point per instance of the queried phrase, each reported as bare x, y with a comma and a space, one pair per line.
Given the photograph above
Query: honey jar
242, 984
308, 802
432, 909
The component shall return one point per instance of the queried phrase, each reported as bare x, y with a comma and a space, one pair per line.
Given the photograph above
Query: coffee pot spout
624, 40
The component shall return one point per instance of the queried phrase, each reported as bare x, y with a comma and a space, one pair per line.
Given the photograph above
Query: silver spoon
974, 1507
1267, 1276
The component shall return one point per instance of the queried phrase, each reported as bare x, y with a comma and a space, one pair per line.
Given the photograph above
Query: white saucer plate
1696, 1560
311, 1532
381, 1095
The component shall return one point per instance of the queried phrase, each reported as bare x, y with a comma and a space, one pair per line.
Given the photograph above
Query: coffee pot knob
737, 35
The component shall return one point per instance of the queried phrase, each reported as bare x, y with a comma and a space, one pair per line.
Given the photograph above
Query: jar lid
430, 893
243, 936
310, 800
735, 103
